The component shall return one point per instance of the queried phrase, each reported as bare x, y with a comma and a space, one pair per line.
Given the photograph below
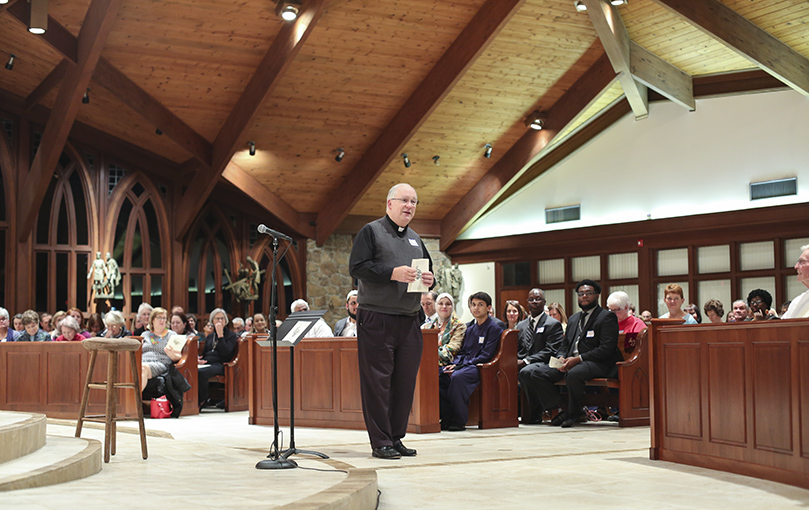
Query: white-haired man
320, 329
799, 307
347, 326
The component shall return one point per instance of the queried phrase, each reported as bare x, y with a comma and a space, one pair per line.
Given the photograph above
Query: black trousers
389, 348
538, 385
206, 373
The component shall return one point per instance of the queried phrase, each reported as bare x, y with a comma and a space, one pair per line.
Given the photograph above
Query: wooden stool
112, 346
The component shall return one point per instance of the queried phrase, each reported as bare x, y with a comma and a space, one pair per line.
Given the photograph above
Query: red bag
161, 408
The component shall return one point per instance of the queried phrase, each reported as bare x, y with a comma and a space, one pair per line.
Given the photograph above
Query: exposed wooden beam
615, 39
109, 77
747, 39
57, 36
45, 86
661, 76
589, 87
463, 52
96, 27
269, 72
274, 204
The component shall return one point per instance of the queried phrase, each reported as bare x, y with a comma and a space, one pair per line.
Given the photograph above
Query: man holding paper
393, 268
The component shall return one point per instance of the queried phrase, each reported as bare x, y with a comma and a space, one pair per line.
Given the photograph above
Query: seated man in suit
589, 350
347, 326
457, 381
540, 336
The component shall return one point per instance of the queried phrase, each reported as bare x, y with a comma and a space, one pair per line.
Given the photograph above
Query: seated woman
32, 332
16, 324
192, 324
70, 331
513, 313
76, 314
116, 328
714, 311
556, 311
450, 329
674, 302
7, 333
179, 323
760, 303
157, 355
56, 320
95, 324
220, 347
694, 311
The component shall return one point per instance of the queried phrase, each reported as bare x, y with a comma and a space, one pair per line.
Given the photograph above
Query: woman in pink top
71, 331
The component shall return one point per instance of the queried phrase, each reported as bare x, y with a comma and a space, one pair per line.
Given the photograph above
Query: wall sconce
406, 160
86, 98
38, 19
488, 152
536, 120
288, 10
340, 153
10, 63
435, 159
252, 146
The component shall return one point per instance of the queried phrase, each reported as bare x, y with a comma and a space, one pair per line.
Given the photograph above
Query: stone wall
327, 278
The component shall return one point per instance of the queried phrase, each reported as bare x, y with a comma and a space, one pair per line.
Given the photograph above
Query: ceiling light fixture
435, 159
536, 120
288, 10
86, 98
406, 160
488, 152
38, 19
252, 146
616, 3
10, 63
580, 7
158, 131
340, 153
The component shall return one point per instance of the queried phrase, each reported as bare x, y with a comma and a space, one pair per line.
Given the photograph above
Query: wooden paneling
727, 386
681, 391
772, 395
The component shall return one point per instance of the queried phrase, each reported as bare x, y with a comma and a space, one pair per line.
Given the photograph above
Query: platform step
62, 459
20, 434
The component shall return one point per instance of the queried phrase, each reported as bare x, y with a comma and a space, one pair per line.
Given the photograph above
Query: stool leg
110, 406
114, 427
138, 404
86, 393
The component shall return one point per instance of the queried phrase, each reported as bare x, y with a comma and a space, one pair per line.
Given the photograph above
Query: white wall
674, 163
476, 278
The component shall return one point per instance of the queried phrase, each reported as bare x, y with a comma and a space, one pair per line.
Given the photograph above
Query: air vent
776, 188
560, 214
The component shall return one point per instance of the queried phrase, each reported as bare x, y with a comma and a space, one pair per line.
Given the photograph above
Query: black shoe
404, 450
220, 404
204, 403
386, 452
456, 428
569, 421
558, 419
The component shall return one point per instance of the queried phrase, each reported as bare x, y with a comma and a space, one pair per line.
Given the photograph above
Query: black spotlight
10, 63
488, 152
158, 131
340, 153
435, 159
406, 160
252, 146
86, 98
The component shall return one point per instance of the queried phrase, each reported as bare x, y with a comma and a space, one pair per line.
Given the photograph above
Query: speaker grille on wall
776, 188
560, 214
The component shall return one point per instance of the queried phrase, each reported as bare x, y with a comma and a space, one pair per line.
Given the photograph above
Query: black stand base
277, 464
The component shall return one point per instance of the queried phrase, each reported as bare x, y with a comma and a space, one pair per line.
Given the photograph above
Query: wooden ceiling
377, 78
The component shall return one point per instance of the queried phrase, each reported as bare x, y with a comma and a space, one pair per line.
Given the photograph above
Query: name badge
541, 329
413, 243
481, 339
591, 334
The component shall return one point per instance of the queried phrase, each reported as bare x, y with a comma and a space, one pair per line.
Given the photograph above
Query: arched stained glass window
209, 255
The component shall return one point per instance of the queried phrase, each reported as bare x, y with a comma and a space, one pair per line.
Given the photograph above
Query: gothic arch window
138, 248
209, 255
288, 278
4, 219
62, 239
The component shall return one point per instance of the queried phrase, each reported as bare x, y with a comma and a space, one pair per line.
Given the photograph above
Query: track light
406, 160
435, 159
488, 152
86, 98
288, 10
616, 3
38, 20
158, 132
340, 153
536, 120
580, 7
252, 146
10, 63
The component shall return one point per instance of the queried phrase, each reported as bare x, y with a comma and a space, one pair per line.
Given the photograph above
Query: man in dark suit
589, 350
540, 337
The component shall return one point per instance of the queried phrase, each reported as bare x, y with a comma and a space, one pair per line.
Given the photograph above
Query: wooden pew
232, 387
187, 366
493, 404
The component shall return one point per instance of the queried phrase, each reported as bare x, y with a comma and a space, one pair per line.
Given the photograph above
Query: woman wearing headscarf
450, 329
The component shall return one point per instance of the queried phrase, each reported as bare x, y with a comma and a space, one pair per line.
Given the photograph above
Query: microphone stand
275, 460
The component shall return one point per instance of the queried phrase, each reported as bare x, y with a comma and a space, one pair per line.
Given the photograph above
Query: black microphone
264, 229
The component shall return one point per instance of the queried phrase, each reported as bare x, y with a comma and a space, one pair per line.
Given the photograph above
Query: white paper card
177, 342
296, 331
555, 362
420, 265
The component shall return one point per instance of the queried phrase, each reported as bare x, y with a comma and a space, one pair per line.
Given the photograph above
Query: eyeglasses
535, 299
756, 302
407, 201
588, 293
615, 310
803, 262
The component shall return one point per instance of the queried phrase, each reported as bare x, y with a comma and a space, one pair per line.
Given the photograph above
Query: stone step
62, 459
20, 434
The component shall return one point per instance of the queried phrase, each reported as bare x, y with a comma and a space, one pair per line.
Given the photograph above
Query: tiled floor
208, 461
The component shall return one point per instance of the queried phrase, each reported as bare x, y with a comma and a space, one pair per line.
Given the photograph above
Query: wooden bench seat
493, 404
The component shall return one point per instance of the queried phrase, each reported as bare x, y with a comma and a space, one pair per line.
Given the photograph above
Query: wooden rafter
615, 39
46, 85
96, 27
589, 87
57, 36
463, 52
747, 39
661, 76
269, 72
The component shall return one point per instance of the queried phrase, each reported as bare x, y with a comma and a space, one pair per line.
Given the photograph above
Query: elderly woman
760, 303
673, 297
220, 346
714, 311
7, 333
32, 332
144, 312
56, 320
116, 328
513, 313
79, 316
618, 303
157, 355
70, 331
450, 329
556, 311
